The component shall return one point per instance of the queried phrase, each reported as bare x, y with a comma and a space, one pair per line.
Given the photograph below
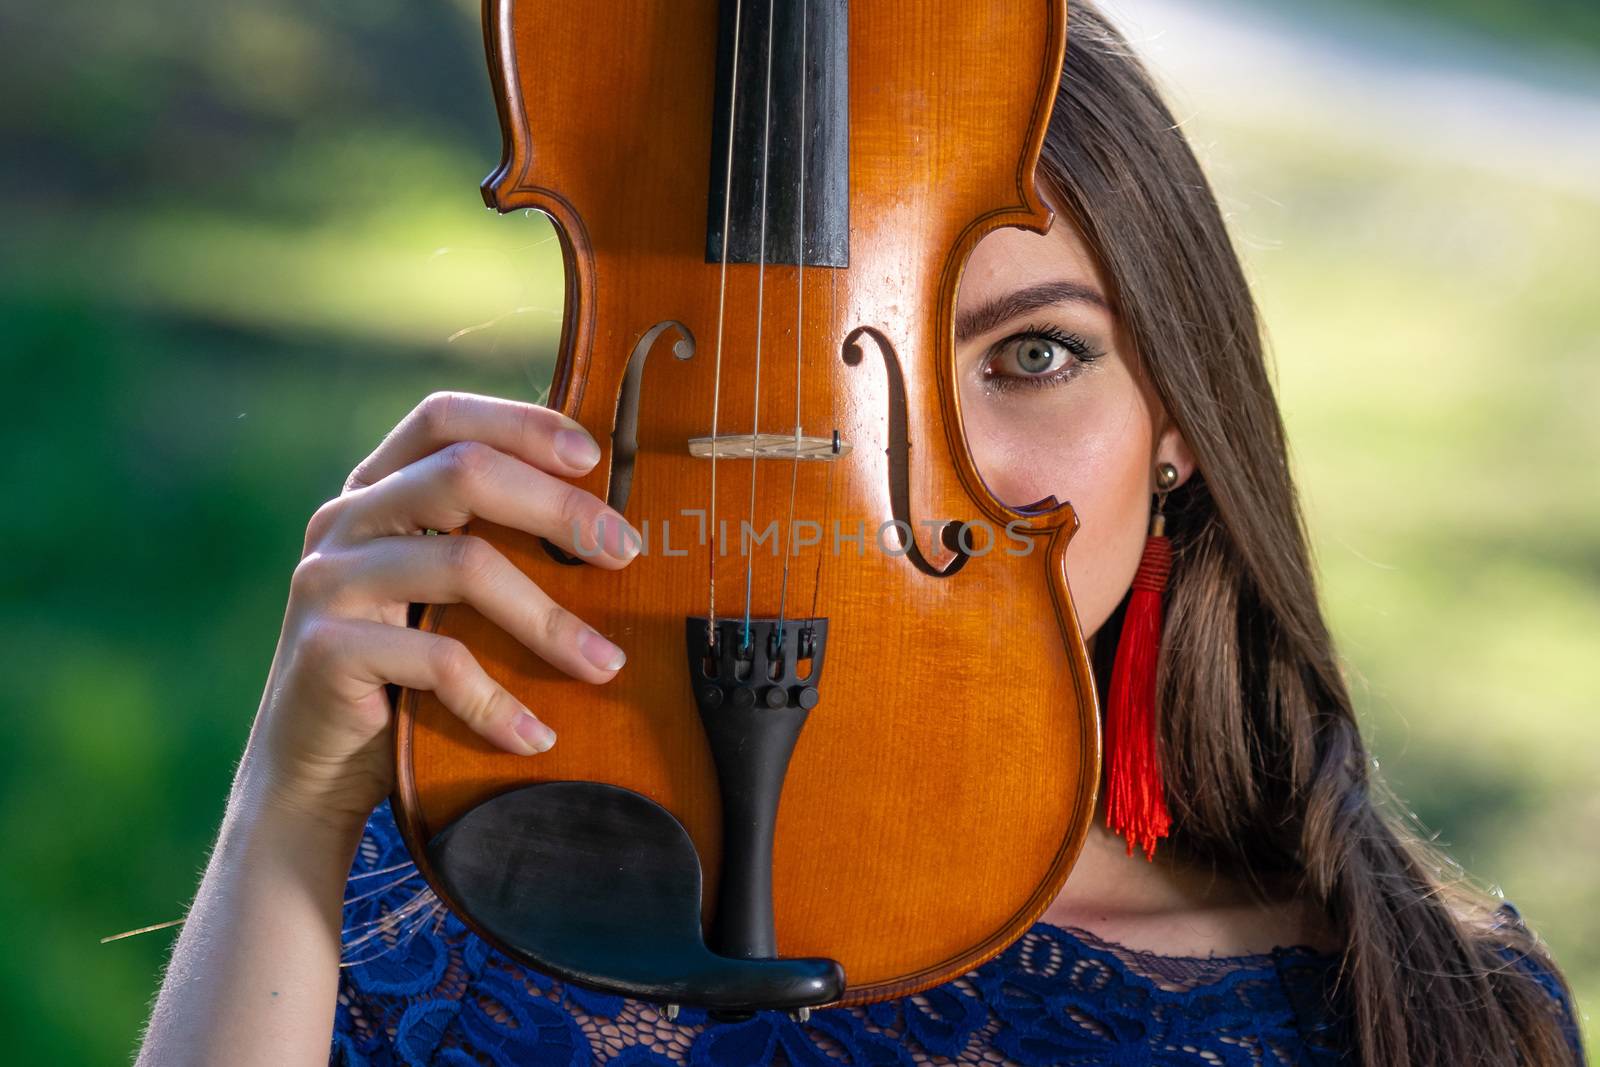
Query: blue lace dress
418, 987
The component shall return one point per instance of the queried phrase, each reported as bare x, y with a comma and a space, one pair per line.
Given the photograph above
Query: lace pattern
419, 988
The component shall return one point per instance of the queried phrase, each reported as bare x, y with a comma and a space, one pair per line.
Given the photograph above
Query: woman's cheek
1095, 457
1108, 482
1022, 454
1104, 553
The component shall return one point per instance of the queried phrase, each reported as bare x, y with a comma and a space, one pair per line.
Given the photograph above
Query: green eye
1038, 356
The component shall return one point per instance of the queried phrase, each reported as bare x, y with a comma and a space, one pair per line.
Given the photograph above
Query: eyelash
1082, 352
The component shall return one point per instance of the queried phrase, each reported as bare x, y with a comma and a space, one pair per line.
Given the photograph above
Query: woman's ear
1171, 447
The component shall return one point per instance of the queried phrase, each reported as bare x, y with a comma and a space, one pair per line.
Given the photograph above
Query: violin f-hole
625, 426
898, 450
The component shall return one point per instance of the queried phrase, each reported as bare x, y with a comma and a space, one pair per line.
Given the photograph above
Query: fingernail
535, 734
577, 449
600, 652
630, 543
618, 538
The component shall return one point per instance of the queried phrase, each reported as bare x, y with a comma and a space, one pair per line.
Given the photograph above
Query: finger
466, 569
374, 653
536, 435
468, 480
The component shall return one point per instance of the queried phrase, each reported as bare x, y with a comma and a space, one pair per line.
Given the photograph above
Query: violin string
395, 930
395, 884
152, 928
799, 323
761, 290
382, 870
827, 497
407, 865
389, 918
722, 301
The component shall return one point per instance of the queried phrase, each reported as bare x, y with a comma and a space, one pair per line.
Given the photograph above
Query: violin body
944, 776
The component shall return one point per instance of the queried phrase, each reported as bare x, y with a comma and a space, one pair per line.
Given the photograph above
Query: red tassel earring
1136, 805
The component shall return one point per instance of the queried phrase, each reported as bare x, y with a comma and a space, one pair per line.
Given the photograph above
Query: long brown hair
1264, 765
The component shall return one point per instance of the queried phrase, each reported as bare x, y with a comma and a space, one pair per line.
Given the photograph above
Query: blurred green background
242, 239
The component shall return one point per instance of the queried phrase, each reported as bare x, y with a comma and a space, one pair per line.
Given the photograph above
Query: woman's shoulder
1518, 946
418, 987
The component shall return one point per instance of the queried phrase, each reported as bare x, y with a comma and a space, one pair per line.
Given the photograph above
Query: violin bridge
769, 446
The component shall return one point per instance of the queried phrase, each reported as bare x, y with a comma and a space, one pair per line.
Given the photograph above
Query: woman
1285, 920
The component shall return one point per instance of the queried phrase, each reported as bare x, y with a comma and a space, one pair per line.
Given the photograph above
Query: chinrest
599, 885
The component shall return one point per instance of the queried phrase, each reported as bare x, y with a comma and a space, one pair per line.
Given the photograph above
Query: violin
856, 748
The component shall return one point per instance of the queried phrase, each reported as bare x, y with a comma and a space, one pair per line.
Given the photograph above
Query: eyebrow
1001, 310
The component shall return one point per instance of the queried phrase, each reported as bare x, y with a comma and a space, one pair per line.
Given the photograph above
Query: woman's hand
254, 976
320, 744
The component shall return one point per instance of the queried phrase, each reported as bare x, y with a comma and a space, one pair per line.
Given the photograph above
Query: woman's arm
255, 972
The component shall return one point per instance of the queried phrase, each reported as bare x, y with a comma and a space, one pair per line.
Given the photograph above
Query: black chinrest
599, 885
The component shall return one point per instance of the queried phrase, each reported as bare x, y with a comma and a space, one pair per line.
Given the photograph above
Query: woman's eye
1036, 357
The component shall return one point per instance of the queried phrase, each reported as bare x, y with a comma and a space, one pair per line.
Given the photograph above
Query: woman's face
1055, 403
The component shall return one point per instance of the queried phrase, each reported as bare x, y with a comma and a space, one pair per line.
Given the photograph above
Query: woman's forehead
1011, 258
